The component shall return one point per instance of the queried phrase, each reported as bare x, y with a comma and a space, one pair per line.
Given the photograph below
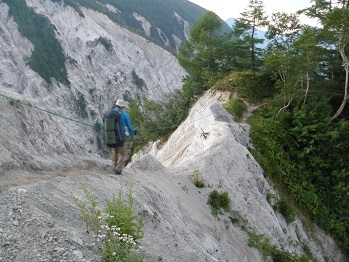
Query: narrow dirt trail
251, 107
20, 177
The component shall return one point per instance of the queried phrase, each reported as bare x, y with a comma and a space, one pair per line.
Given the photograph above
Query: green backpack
113, 134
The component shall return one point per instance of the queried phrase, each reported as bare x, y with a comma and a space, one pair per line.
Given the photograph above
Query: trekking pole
130, 149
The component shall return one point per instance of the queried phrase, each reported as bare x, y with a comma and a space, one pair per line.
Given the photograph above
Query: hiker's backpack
113, 134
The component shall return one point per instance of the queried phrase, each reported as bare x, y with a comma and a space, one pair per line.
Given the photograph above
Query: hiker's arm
129, 125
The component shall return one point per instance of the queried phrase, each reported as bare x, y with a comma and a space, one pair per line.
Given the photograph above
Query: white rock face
145, 24
33, 139
98, 76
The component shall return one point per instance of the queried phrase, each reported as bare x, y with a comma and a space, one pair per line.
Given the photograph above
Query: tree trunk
346, 68
307, 89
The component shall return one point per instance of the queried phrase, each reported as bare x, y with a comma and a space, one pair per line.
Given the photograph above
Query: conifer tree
245, 28
205, 55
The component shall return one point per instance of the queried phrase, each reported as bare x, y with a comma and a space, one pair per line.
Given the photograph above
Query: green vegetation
246, 41
304, 151
117, 229
219, 201
283, 206
73, 4
197, 179
47, 58
253, 87
80, 106
286, 210
106, 43
262, 243
157, 120
236, 107
205, 57
139, 82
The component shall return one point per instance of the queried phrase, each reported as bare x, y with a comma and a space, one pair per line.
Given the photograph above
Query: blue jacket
125, 123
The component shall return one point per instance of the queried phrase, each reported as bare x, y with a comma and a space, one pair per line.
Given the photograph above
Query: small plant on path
117, 230
197, 179
219, 201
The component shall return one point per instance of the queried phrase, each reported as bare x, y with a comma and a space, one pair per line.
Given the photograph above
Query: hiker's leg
122, 151
114, 156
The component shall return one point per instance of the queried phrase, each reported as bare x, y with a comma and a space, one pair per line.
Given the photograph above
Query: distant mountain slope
166, 22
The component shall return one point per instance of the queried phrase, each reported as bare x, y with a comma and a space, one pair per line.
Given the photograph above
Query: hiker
119, 152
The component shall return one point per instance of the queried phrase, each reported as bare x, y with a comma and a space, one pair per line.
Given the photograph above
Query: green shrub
286, 210
121, 213
90, 214
236, 107
197, 179
234, 220
250, 86
262, 243
117, 230
282, 256
80, 105
282, 206
139, 82
106, 43
305, 154
218, 201
156, 121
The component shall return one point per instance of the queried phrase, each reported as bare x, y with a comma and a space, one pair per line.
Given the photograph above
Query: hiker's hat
120, 103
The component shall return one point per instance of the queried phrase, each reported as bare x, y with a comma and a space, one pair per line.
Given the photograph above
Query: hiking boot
119, 173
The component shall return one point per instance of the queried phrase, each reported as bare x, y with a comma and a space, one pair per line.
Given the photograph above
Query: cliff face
129, 66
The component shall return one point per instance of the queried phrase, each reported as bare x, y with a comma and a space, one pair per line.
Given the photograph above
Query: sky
232, 8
